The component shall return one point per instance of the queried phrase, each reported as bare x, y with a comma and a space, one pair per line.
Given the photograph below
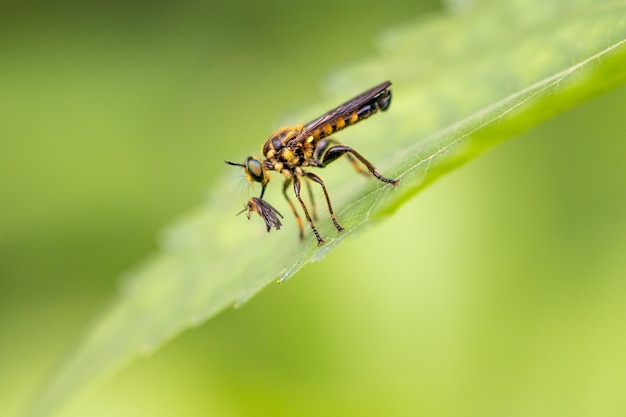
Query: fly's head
255, 171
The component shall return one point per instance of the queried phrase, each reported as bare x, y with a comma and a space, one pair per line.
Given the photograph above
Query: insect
265, 210
292, 150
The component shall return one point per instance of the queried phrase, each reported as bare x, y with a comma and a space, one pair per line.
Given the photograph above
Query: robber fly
292, 149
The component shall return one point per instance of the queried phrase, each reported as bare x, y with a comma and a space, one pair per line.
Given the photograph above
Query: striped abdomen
379, 102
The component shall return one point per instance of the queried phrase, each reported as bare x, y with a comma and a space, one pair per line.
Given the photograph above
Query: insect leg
338, 151
293, 208
312, 200
296, 190
321, 148
317, 179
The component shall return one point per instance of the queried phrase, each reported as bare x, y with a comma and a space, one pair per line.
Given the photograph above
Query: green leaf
462, 83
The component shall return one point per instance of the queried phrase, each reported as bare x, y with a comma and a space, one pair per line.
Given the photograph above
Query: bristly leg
337, 151
312, 201
317, 179
296, 189
293, 208
324, 144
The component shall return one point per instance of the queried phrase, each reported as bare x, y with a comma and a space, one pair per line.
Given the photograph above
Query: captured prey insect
265, 210
291, 149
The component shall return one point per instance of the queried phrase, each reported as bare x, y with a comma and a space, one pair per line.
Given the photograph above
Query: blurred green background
498, 291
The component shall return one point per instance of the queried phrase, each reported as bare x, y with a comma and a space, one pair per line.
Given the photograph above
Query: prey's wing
266, 211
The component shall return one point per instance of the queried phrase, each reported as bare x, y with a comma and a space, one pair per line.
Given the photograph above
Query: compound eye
255, 169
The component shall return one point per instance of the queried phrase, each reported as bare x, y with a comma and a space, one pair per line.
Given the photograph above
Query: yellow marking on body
287, 154
353, 118
278, 166
286, 133
290, 135
328, 129
307, 150
340, 123
310, 139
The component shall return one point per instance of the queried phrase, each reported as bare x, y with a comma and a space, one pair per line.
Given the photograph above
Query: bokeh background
497, 291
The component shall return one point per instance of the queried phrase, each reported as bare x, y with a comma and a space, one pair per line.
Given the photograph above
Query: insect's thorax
282, 154
277, 141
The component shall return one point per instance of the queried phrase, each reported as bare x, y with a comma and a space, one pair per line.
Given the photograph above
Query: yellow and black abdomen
361, 111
